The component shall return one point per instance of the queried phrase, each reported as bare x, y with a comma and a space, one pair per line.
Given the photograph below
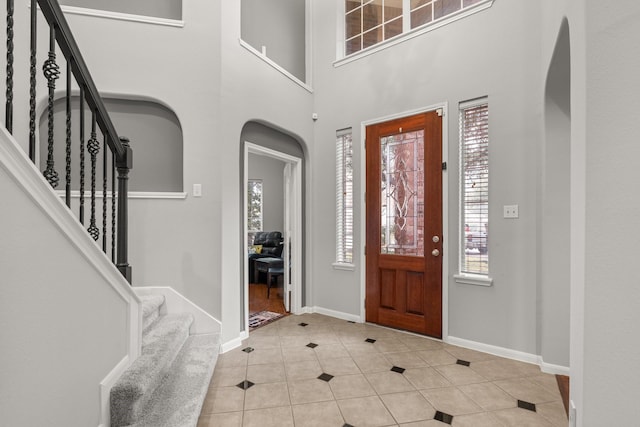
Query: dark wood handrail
67, 44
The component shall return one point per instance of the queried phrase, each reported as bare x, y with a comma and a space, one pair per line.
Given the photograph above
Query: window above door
372, 25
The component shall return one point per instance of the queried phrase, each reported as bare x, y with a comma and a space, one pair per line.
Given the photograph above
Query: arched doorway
286, 154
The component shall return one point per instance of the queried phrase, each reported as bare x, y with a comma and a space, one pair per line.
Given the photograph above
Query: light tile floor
430, 385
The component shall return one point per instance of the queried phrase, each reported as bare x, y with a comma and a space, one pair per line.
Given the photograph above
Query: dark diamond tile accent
463, 362
526, 405
325, 377
350, 321
397, 369
303, 324
245, 385
248, 349
370, 340
312, 345
347, 425
445, 418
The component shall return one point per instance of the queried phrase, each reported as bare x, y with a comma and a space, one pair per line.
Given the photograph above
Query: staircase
167, 384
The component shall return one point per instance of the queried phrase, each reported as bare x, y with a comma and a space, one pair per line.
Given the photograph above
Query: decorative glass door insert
402, 187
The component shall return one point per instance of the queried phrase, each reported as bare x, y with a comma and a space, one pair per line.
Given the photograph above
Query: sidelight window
344, 197
474, 188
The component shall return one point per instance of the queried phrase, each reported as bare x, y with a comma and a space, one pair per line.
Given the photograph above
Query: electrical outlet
197, 190
511, 211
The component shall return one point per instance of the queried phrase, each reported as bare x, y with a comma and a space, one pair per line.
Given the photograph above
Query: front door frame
445, 207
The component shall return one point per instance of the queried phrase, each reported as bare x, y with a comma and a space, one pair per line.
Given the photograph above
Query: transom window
369, 22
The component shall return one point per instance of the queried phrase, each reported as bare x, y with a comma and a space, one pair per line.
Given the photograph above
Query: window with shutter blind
254, 204
474, 187
371, 22
254, 208
344, 197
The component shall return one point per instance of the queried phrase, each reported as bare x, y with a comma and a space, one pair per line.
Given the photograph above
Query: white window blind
254, 205
474, 187
344, 197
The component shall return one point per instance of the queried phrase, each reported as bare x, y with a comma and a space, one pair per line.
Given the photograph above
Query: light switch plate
511, 211
197, 190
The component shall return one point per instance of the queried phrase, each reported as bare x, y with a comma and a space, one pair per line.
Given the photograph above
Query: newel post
124, 164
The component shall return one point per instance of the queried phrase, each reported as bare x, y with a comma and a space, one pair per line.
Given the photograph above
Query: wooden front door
404, 223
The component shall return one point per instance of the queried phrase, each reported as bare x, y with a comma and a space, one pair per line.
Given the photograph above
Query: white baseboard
105, 390
234, 343
550, 368
333, 313
507, 353
492, 349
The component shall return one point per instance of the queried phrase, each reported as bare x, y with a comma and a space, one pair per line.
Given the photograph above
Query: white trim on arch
443, 106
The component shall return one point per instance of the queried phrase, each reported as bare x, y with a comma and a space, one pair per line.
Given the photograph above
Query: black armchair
272, 246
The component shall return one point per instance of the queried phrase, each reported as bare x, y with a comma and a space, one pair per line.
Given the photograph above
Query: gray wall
269, 137
170, 9
270, 171
63, 326
155, 135
611, 153
418, 73
280, 26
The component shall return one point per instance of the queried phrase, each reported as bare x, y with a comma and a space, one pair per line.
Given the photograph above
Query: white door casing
292, 231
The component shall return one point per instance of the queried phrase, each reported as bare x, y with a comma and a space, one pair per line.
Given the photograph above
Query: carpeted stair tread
160, 346
177, 402
150, 309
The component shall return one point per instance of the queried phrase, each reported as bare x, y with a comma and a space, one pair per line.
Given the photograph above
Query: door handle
435, 252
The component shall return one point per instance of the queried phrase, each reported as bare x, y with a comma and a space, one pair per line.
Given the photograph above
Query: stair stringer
176, 303
28, 178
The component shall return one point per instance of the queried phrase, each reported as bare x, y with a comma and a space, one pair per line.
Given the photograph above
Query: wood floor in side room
258, 300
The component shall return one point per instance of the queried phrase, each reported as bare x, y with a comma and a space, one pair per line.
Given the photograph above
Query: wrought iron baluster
52, 73
122, 155
9, 100
113, 208
32, 82
124, 165
93, 146
81, 213
104, 195
68, 159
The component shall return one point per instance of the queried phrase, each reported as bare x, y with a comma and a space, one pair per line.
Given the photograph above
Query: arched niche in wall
168, 9
153, 129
